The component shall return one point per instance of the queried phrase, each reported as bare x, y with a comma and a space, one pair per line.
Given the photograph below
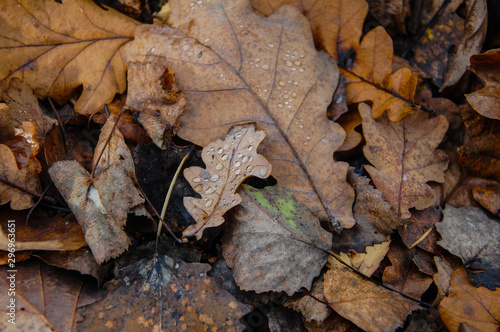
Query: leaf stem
167, 199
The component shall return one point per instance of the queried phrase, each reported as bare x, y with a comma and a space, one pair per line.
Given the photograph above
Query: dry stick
167, 198
49, 199
58, 120
37, 202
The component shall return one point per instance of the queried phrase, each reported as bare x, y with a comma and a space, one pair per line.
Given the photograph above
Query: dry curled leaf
101, 203
477, 307
152, 91
366, 263
56, 47
270, 223
228, 164
405, 158
164, 294
235, 67
487, 100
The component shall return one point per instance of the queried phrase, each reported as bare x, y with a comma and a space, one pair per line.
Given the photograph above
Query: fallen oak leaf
272, 232
101, 202
405, 158
164, 294
226, 57
370, 78
337, 27
50, 46
486, 101
228, 164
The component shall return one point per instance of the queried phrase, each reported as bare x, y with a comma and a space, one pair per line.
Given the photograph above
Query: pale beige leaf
366, 263
228, 163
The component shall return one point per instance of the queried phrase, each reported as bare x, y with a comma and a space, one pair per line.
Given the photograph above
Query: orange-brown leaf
57, 47
478, 307
228, 163
370, 78
237, 67
405, 158
336, 25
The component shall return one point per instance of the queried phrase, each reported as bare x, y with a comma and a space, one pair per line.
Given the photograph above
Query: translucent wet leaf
404, 158
228, 164
274, 233
237, 67
56, 47
164, 294
101, 203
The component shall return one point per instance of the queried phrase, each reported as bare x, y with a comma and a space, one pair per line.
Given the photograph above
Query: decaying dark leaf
164, 294
272, 232
470, 234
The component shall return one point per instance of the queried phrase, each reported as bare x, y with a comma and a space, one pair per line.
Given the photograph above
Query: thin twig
61, 125
37, 202
169, 193
107, 142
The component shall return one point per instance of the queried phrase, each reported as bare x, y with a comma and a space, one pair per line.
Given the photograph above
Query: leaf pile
336, 179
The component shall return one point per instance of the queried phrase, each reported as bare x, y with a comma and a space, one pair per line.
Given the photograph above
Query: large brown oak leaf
235, 67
